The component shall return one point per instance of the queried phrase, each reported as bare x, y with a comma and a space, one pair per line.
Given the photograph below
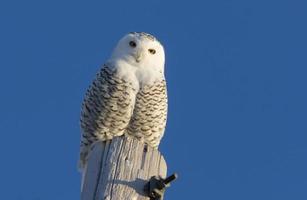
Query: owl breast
149, 115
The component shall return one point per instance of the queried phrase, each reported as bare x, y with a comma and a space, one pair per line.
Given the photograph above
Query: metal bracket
156, 186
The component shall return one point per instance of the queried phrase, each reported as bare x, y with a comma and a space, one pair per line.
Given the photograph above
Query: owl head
141, 50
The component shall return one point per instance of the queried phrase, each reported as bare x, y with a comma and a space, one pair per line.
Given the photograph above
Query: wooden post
119, 169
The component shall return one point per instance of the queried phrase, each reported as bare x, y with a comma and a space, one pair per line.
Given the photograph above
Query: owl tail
82, 166
83, 172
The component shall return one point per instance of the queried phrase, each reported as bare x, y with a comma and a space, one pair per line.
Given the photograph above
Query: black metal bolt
170, 178
156, 186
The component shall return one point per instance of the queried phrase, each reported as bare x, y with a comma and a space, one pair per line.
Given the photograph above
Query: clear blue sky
236, 72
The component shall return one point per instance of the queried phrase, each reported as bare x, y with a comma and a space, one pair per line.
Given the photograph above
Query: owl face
140, 50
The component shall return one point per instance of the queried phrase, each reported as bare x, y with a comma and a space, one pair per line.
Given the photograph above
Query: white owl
128, 95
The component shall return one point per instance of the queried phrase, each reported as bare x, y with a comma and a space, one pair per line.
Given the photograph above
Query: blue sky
236, 73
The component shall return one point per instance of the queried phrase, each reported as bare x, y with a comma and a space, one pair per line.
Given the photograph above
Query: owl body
128, 95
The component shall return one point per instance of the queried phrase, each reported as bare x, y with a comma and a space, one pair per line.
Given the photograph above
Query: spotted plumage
128, 95
106, 110
147, 35
149, 115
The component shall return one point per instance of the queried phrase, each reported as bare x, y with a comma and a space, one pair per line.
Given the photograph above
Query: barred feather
149, 116
106, 110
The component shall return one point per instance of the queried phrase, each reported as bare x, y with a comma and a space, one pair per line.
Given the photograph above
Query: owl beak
138, 56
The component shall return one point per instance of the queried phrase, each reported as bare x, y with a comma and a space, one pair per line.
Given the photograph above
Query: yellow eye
132, 44
152, 51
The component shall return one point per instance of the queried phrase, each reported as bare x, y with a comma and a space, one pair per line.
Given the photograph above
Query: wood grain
118, 169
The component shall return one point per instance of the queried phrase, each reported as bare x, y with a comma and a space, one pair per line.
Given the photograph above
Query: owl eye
132, 44
152, 51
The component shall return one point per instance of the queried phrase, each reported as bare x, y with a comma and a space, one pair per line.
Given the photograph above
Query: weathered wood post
120, 168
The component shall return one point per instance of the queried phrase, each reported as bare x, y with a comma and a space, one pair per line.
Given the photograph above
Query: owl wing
150, 113
106, 110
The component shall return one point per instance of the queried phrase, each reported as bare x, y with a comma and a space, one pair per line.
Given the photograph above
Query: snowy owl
128, 95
